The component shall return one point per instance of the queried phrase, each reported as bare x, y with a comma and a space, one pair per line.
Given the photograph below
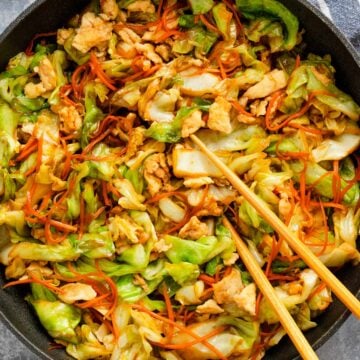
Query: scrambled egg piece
228, 287
142, 6
194, 229
272, 81
129, 36
75, 291
70, 119
231, 290
47, 82
209, 307
148, 50
110, 8
219, 115
63, 35
156, 173
94, 31
192, 123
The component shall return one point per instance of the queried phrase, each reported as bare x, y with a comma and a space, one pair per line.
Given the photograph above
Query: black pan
321, 37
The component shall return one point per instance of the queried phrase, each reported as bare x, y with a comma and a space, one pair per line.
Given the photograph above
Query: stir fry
113, 217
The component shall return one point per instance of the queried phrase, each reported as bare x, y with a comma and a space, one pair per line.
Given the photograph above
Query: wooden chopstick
343, 294
286, 320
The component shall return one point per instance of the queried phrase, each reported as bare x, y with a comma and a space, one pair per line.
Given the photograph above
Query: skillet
321, 37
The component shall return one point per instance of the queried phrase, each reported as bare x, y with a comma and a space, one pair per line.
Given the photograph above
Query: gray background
345, 344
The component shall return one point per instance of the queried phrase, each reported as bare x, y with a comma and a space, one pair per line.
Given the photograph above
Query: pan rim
351, 51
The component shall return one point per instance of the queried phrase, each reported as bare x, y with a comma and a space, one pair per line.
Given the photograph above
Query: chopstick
286, 320
338, 288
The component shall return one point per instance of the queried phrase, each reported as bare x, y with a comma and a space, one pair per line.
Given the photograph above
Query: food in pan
112, 216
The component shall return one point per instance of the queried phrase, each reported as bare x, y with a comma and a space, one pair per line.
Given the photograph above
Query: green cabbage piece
93, 114
59, 319
243, 138
196, 252
40, 252
202, 39
201, 6
88, 346
96, 245
9, 145
223, 19
169, 132
272, 9
183, 273
324, 186
263, 27
74, 54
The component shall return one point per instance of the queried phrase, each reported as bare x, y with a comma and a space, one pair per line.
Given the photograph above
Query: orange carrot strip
180, 327
207, 279
35, 280
336, 181
317, 290
28, 149
190, 343
209, 25
99, 72
240, 109
170, 313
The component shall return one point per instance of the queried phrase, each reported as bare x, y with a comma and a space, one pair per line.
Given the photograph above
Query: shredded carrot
55, 346
221, 67
317, 290
325, 229
99, 72
48, 235
240, 109
279, 277
235, 12
294, 116
28, 149
158, 197
79, 78
336, 182
209, 25
167, 34
207, 294
228, 271
271, 108
112, 287
309, 130
170, 313
111, 188
186, 345
64, 92
37, 165
94, 302
181, 328
207, 279
95, 141
106, 199
257, 305
45, 201
45, 283
189, 213
165, 19
272, 256
328, 204
67, 162
29, 49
